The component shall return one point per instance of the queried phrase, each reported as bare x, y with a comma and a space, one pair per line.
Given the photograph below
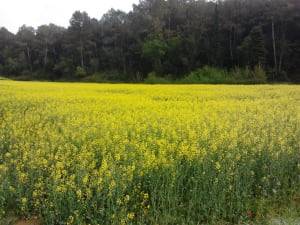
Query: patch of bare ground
17, 221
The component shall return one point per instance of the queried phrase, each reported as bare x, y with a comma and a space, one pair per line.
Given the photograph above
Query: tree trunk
230, 45
280, 62
55, 55
124, 65
274, 49
282, 47
45, 55
81, 54
96, 50
29, 58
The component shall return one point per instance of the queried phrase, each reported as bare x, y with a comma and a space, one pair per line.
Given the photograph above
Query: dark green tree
257, 47
168, 37
153, 52
48, 38
80, 37
27, 41
7, 61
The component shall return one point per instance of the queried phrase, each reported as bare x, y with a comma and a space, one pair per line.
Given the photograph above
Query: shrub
152, 78
259, 75
3, 78
248, 76
212, 75
80, 72
208, 75
112, 76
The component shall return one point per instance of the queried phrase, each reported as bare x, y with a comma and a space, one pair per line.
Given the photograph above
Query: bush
152, 78
80, 72
259, 75
112, 76
208, 75
211, 75
3, 78
248, 76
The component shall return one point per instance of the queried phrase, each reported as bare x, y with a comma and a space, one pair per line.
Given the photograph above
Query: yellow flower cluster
88, 153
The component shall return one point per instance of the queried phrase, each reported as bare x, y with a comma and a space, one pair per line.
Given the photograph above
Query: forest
223, 41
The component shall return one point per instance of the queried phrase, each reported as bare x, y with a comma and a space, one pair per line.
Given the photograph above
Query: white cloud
15, 13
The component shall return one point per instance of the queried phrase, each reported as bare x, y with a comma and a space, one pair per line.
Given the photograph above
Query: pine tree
257, 46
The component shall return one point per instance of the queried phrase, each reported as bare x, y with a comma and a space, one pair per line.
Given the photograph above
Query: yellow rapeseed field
140, 154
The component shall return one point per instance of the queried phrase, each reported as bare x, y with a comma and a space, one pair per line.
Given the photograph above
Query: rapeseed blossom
138, 154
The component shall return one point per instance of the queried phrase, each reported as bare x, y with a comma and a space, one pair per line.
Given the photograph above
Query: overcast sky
15, 13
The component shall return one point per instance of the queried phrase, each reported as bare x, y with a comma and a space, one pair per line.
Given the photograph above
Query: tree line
164, 38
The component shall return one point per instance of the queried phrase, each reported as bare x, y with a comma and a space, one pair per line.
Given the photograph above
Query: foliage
112, 76
80, 72
64, 68
138, 154
211, 75
208, 75
3, 78
247, 76
152, 78
171, 37
252, 50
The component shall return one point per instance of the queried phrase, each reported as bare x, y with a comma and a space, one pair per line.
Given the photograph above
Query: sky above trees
15, 13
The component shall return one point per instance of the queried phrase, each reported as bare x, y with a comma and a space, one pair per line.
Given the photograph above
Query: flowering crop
138, 154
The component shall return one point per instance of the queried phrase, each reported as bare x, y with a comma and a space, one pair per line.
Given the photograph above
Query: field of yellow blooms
136, 154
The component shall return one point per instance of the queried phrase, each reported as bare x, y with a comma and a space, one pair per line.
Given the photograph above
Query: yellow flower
12, 189
146, 196
127, 198
22, 177
112, 185
24, 201
7, 154
130, 216
85, 179
123, 221
35, 193
119, 201
70, 220
218, 166
79, 193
